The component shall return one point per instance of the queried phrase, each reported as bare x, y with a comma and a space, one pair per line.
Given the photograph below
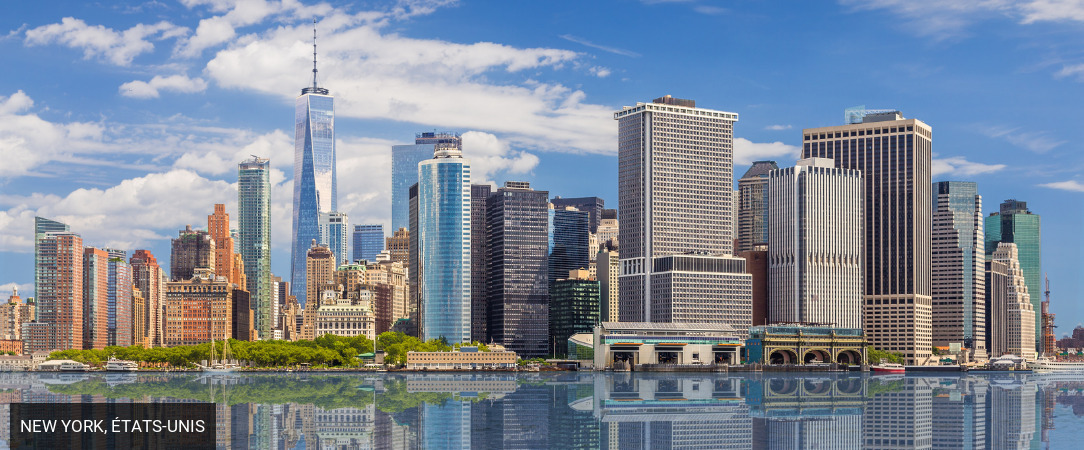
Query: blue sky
127, 120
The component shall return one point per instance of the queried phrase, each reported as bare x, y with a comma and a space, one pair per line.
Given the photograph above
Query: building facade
752, 206
404, 171
1011, 318
699, 288
197, 310
675, 172
574, 307
444, 250
335, 234
13, 315
479, 194
592, 205
959, 281
398, 246
345, 316
95, 298
567, 241
192, 249
58, 294
315, 176
320, 266
368, 242
517, 286
254, 238
607, 269
895, 157
756, 265
815, 272
218, 226
1015, 223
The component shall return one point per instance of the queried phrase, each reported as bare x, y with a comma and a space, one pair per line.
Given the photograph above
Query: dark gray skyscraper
894, 155
567, 241
959, 285
254, 239
479, 194
517, 279
592, 205
752, 206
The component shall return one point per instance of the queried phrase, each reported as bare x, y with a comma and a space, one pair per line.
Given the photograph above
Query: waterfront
598, 410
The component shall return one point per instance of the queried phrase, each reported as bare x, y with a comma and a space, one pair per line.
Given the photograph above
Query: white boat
223, 365
1050, 365
120, 365
888, 368
72, 366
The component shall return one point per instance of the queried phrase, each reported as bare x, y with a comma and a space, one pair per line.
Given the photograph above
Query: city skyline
979, 139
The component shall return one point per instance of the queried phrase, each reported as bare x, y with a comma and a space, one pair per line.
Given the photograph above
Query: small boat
72, 366
120, 365
223, 365
888, 368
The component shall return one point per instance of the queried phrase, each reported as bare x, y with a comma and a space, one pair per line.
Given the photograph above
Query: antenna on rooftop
314, 53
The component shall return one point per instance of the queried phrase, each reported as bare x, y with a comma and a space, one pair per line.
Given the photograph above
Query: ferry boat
1050, 365
888, 368
72, 366
120, 365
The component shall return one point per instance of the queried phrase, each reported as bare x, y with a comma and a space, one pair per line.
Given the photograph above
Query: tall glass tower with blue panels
1015, 223
368, 241
254, 238
568, 242
404, 171
315, 190
444, 251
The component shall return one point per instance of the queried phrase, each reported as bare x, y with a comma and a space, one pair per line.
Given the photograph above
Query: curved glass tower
314, 175
444, 252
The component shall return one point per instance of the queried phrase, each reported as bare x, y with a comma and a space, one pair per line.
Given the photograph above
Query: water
599, 410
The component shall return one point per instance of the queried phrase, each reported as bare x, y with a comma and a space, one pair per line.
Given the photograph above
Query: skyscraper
675, 172
404, 171
120, 299
959, 286
334, 233
254, 238
815, 276
752, 206
148, 278
1015, 223
59, 289
42, 226
444, 256
591, 205
368, 242
398, 246
574, 308
218, 226
320, 265
567, 237
315, 180
1011, 319
95, 298
192, 249
608, 268
517, 273
894, 156
479, 194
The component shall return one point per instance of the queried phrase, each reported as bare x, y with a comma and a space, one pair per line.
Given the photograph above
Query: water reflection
587, 410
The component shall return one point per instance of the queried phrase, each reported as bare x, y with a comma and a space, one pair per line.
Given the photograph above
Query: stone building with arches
805, 344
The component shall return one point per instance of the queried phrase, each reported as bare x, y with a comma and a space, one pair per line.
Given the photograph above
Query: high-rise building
95, 298
398, 246
894, 156
574, 308
42, 226
242, 316
387, 282
368, 242
567, 241
479, 194
197, 310
148, 277
254, 238
315, 178
139, 317
218, 226
13, 315
752, 206
120, 298
1011, 318
815, 275
607, 232
334, 233
59, 291
415, 268
608, 268
192, 249
958, 278
592, 205
1015, 223
321, 265
756, 264
444, 258
517, 272
404, 171
675, 177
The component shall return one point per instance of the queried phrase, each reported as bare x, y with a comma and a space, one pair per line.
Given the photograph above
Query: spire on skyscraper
314, 89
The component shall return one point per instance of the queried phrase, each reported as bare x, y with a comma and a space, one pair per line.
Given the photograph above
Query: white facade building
814, 244
335, 233
1012, 318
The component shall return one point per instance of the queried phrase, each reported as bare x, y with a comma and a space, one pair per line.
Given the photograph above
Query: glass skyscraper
254, 238
567, 242
334, 233
315, 182
368, 242
958, 277
444, 257
404, 171
1014, 223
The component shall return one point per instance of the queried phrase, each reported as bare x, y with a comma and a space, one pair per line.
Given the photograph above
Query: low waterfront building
805, 344
638, 343
467, 358
11, 345
19, 363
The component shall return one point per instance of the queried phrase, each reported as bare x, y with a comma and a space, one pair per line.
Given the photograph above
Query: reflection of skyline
591, 410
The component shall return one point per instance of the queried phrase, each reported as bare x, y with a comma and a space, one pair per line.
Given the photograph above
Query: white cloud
1036, 141
746, 151
608, 49
28, 141
1074, 70
1067, 185
489, 156
25, 290
1052, 10
217, 30
960, 166
175, 83
118, 47
777, 127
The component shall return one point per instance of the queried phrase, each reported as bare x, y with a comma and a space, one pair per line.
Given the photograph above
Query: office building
675, 172
444, 245
320, 265
197, 310
95, 298
334, 234
398, 246
698, 289
415, 269
1015, 223
315, 180
1011, 318
894, 156
192, 249
607, 270
574, 307
567, 241
139, 317
218, 226
517, 274
752, 206
592, 205
148, 277
345, 316
243, 318
959, 281
254, 238
388, 282
368, 242
404, 171
479, 193
815, 272
59, 291
756, 265
42, 226
608, 229
13, 315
